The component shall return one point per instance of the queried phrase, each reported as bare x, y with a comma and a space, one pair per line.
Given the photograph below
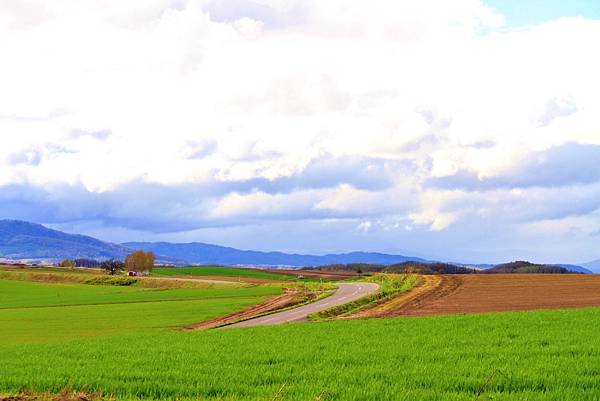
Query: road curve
346, 292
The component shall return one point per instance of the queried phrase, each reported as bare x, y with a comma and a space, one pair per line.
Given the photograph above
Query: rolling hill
521, 266
451, 268
23, 240
593, 266
200, 253
576, 268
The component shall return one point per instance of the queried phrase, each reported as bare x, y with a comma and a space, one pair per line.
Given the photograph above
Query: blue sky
307, 126
530, 12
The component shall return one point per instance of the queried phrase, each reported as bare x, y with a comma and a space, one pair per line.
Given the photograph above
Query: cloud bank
419, 127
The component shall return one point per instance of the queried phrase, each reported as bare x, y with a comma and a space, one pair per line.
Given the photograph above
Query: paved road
346, 292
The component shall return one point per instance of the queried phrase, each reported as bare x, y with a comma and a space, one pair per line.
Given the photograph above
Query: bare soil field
475, 293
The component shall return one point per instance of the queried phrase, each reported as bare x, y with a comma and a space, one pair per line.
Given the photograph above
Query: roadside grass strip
390, 285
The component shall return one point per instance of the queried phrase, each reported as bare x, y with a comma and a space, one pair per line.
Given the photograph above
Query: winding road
346, 292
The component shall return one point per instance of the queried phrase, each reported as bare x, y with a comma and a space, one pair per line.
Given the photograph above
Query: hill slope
23, 240
199, 253
451, 268
576, 268
527, 267
593, 266
20, 240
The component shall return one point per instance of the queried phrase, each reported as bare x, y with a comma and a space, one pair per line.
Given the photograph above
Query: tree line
138, 261
442, 268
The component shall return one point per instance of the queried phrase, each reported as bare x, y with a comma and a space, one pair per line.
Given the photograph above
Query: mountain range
214, 254
25, 241
592, 266
21, 240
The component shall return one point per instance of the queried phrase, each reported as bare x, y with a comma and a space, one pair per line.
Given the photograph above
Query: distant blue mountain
593, 266
199, 253
23, 240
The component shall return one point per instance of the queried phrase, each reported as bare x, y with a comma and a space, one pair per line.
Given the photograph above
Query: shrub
67, 263
112, 266
111, 280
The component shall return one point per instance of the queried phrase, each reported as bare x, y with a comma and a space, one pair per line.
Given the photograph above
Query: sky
466, 131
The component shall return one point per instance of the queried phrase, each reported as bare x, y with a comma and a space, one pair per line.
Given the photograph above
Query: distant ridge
25, 241
200, 253
576, 268
21, 240
593, 266
521, 266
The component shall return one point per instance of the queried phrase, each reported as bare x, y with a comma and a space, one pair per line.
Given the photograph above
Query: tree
112, 266
82, 262
67, 263
139, 261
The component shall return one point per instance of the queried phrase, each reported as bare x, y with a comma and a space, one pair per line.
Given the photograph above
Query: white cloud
364, 226
173, 92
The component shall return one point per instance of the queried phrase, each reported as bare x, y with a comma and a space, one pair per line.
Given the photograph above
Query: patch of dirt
423, 286
285, 300
475, 293
65, 395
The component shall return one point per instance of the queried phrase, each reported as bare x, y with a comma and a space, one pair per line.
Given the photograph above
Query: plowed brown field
473, 293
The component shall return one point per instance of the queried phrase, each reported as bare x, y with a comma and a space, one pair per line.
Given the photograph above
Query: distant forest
443, 268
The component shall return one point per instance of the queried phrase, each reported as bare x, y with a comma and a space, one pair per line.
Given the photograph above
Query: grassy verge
310, 286
306, 292
390, 285
301, 300
101, 278
45, 276
122, 281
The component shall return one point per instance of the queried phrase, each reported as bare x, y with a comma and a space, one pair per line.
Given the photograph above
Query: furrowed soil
475, 293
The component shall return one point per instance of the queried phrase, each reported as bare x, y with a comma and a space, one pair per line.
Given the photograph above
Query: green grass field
219, 271
39, 312
123, 341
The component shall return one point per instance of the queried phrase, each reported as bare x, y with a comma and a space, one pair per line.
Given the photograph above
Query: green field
219, 271
123, 342
33, 312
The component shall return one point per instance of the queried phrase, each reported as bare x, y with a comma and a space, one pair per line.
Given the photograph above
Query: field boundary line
245, 314
131, 302
368, 302
426, 284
